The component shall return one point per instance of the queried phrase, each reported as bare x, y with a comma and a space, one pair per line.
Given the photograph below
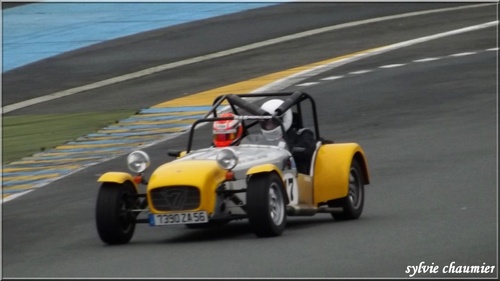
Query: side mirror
174, 153
298, 149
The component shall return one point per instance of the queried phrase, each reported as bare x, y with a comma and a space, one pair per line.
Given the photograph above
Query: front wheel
352, 204
265, 205
114, 217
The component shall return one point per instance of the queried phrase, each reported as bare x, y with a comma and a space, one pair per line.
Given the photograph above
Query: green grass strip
28, 134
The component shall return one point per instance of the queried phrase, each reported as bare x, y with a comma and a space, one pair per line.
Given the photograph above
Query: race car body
261, 182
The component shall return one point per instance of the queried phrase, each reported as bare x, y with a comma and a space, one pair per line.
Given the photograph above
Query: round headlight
138, 161
227, 158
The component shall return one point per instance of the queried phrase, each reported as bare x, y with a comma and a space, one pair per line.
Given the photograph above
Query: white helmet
270, 128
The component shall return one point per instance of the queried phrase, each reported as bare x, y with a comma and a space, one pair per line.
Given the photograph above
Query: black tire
352, 204
265, 205
114, 219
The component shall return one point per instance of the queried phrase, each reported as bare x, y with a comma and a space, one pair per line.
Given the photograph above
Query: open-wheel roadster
263, 183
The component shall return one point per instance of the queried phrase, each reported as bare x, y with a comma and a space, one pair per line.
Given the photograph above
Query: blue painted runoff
33, 32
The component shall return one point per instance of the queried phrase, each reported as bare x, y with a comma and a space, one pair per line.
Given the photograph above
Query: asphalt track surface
428, 127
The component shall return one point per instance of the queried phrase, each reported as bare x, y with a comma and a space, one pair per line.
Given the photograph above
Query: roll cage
245, 110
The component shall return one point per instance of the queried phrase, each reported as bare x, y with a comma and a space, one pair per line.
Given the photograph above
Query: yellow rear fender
332, 167
117, 177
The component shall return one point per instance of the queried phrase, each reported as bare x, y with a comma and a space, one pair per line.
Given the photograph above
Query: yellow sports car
266, 161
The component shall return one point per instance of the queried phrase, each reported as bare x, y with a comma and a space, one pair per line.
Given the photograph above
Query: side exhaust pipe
300, 210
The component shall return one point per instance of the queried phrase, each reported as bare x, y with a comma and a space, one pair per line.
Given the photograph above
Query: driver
301, 140
270, 130
227, 132
269, 127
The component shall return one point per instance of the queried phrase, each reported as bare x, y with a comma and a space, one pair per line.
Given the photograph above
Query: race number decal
291, 188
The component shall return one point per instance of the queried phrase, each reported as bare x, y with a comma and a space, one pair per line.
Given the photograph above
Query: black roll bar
237, 100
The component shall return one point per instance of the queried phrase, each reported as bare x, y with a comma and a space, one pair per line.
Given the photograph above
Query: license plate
178, 218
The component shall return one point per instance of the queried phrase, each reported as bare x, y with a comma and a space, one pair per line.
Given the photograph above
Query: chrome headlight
138, 161
227, 158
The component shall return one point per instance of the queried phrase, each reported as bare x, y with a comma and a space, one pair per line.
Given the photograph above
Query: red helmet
227, 132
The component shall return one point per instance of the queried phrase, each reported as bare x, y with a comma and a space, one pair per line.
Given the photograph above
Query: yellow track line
207, 97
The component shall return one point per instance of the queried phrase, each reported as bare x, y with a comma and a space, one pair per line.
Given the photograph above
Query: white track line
156, 69
306, 74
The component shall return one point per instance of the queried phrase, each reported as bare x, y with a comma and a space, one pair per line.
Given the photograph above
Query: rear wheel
352, 204
114, 217
266, 205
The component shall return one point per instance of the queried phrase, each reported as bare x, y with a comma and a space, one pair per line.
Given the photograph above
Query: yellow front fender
269, 168
117, 177
331, 170
265, 168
